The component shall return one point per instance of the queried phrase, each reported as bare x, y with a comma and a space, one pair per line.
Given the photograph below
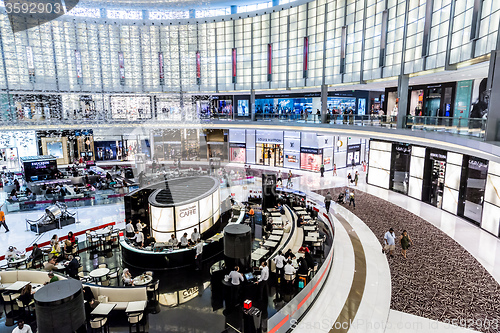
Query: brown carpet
440, 280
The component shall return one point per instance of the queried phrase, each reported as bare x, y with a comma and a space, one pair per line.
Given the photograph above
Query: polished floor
371, 310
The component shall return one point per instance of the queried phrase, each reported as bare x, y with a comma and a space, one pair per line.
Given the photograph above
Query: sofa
118, 295
40, 277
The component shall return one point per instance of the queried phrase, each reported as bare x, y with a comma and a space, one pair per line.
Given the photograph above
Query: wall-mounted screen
55, 149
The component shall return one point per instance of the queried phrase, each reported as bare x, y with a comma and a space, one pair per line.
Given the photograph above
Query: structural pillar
493, 90
252, 105
403, 83
324, 104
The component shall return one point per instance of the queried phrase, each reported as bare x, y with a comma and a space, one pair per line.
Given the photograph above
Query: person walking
389, 242
2, 220
351, 200
349, 178
322, 170
280, 178
356, 178
199, 254
289, 180
328, 200
334, 169
405, 241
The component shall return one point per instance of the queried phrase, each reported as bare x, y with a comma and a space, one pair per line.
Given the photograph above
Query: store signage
237, 145
292, 144
477, 165
162, 73
311, 150
78, 60
40, 165
438, 156
188, 294
273, 137
189, 211
121, 64
307, 95
403, 149
354, 147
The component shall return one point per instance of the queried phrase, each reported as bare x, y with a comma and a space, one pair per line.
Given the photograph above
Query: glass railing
475, 127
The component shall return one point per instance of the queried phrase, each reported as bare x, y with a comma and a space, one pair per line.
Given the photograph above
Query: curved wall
344, 45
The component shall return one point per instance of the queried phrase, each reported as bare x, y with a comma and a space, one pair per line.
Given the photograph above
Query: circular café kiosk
175, 207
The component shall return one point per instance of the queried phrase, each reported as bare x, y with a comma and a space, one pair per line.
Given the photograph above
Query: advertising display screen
55, 149
243, 108
237, 153
39, 170
311, 159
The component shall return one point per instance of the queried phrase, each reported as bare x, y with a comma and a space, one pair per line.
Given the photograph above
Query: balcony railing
475, 127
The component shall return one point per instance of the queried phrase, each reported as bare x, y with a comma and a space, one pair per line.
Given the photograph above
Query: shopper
22, 327
262, 282
405, 241
356, 178
322, 170
351, 200
199, 254
349, 178
328, 200
289, 180
389, 242
334, 169
280, 180
2, 220
279, 261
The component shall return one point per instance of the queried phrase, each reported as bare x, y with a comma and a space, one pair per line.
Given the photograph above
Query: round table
99, 273
16, 262
138, 281
102, 232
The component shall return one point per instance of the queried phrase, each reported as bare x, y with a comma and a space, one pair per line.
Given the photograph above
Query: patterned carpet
440, 280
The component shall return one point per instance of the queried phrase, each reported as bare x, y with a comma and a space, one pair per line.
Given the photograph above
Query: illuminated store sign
274, 137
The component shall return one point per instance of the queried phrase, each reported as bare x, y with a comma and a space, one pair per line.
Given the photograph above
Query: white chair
134, 319
98, 324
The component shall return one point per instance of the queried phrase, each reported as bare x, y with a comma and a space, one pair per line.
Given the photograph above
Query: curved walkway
440, 280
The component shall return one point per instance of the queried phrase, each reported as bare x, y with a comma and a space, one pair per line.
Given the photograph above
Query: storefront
237, 146
434, 177
472, 188
130, 107
107, 150
216, 140
400, 168
269, 148
436, 100
67, 146
311, 158
37, 107
288, 104
167, 144
353, 154
340, 102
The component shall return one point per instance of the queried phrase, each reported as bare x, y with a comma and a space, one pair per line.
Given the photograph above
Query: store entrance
435, 166
270, 154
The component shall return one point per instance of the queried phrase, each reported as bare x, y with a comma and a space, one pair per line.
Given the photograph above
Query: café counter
149, 259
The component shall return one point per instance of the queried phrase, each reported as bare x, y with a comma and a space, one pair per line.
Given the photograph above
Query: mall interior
250, 166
